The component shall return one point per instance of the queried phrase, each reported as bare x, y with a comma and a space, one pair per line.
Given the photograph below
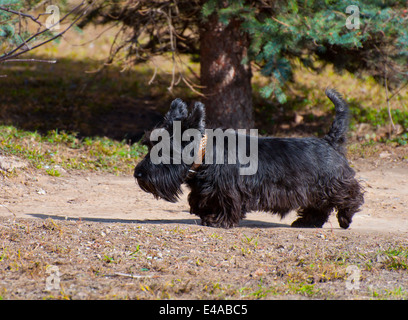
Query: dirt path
109, 198
106, 239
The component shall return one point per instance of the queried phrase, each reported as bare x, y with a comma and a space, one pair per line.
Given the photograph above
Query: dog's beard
166, 185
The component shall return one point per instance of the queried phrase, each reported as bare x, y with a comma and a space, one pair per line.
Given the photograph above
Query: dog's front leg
213, 216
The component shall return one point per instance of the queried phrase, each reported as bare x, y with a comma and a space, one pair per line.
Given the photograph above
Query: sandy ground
106, 239
109, 198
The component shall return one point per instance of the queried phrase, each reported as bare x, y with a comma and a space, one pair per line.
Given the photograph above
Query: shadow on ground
244, 223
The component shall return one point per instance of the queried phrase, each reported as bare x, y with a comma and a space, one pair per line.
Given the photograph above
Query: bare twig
172, 48
129, 275
280, 22
151, 29
192, 87
4, 206
388, 98
30, 60
25, 15
154, 76
396, 92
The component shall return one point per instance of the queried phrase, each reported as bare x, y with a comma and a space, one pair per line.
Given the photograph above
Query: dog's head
164, 169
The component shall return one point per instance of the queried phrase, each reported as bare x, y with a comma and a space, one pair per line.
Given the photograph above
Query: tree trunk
226, 80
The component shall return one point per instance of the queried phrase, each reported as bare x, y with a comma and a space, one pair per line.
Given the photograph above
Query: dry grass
143, 261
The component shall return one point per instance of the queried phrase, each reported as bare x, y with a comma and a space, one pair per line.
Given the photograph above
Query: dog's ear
178, 111
196, 119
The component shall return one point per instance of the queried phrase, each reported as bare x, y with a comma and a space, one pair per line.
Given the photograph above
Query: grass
366, 99
182, 271
53, 172
303, 289
283, 289
394, 258
58, 150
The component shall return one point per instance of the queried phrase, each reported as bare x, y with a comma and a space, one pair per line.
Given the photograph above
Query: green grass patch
394, 258
378, 117
59, 149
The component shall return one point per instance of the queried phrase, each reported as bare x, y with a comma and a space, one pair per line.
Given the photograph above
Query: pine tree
371, 37
368, 36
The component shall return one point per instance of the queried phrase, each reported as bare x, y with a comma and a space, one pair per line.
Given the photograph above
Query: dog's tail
337, 134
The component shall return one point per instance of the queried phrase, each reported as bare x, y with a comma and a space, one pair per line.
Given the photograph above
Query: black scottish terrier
310, 175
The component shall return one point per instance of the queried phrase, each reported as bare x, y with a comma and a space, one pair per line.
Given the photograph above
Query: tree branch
25, 15
25, 47
388, 99
30, 60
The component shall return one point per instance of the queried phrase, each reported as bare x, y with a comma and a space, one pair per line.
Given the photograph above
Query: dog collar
200, 156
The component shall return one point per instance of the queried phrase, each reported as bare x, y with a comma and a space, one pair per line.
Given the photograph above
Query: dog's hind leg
349, 204
345, 216
312, 217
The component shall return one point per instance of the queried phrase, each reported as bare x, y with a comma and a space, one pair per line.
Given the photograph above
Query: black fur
310, 175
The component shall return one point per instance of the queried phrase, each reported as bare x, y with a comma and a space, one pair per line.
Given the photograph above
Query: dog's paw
217, 224
344, 222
